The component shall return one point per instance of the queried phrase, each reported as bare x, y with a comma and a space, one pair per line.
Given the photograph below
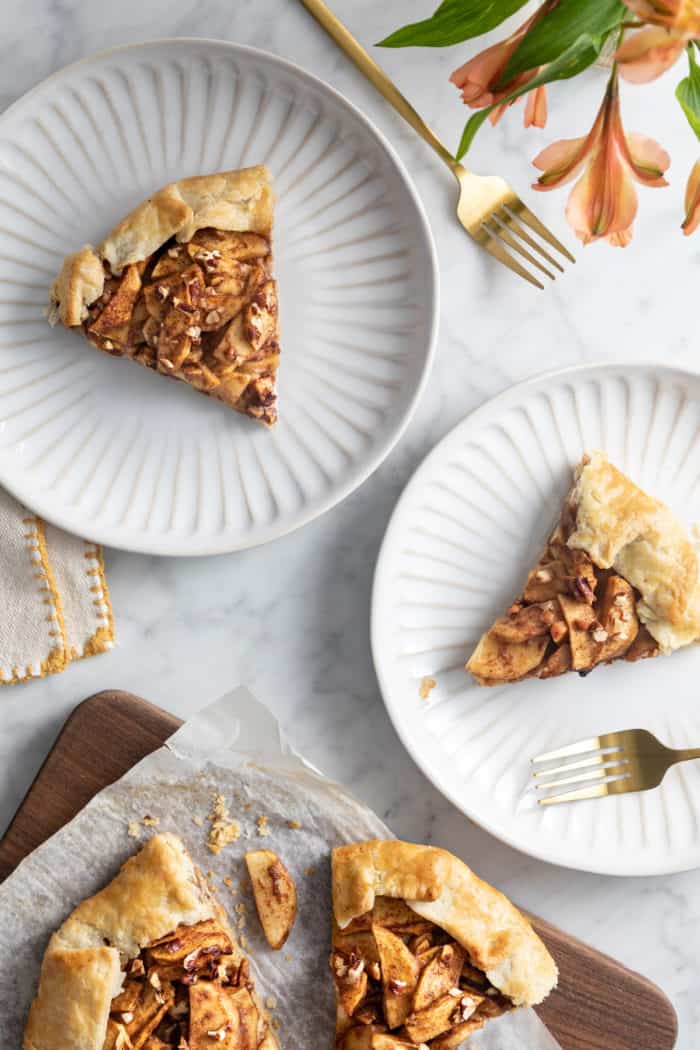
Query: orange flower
478, 79
683, 15
649, 53
692, 201
603, 203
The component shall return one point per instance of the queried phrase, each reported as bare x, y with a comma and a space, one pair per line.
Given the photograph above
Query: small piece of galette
425, 953
618, 580
184, 286
148, 963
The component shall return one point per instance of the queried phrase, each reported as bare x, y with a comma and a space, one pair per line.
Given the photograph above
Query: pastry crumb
134, 829
198, 821
427, 684
294, 824
227, 881
223, 830
263, 829
309, 871
270, 1002
150, 822
287, 957
275, 1023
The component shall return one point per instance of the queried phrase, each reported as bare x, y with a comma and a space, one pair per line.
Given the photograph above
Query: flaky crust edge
619, 526
442, 888
240, 201
155, 891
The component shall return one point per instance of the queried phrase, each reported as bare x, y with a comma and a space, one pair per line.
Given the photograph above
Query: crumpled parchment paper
232, 748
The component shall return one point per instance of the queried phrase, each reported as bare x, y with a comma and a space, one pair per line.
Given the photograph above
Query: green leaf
688, 93
454, 21
578, 56
559, 29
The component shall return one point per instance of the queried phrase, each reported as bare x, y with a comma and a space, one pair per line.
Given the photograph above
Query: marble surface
291, 619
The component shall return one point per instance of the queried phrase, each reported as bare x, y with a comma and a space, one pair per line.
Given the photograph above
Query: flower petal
560, 162
603, 203
646, 158
688, 17
648, 54
692, 201
679, 14
536, 108
621, 239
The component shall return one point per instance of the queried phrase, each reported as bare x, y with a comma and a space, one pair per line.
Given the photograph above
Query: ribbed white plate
101, 446
461, 539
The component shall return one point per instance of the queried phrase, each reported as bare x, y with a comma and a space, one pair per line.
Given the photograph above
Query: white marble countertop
298, 636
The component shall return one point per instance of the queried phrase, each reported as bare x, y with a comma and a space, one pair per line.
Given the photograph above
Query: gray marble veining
291, 619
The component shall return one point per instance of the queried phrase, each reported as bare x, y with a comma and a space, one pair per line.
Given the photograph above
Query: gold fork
611, 764
488, 209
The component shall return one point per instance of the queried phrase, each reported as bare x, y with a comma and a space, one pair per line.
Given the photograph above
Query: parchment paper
233, 748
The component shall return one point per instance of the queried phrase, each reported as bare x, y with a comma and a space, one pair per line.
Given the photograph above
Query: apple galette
148, 963
425, 953
618, 580
184, 286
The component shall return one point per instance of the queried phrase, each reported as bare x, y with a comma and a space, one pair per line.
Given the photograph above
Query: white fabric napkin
54, 602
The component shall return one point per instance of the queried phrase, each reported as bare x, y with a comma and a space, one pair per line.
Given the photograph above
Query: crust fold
157, 890
240, 201
619, 526
440, 887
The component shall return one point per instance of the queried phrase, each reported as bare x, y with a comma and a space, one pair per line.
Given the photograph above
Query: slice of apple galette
183, 285
425, 953
148, 963
618, 580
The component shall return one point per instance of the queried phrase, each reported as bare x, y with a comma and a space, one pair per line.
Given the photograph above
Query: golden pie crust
184, 286
617, 580
424, 952
148, 963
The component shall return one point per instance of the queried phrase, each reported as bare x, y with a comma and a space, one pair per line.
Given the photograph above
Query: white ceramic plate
465, 531
104, 448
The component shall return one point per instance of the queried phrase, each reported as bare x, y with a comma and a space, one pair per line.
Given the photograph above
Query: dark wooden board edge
622, 1011
104, 725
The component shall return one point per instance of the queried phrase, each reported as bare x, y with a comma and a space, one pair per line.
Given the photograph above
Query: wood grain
598, 1005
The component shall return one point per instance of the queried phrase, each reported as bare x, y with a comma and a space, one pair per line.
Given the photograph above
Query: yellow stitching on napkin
103, 638
58, 658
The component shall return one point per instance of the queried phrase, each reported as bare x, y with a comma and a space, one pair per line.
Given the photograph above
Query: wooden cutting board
598, 1005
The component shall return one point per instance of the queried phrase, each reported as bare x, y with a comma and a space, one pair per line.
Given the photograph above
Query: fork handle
686, 754
357, 54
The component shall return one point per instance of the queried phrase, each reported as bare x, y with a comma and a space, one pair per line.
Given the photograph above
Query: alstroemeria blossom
683, 15
692, 201
478, 78
603, 203
649, 53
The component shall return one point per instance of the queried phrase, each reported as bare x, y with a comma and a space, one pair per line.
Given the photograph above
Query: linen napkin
54, 602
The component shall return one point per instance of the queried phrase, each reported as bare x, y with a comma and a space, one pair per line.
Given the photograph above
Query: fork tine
595, 761
579, 778
518, 228
502, 233
599, 791
498, 251
580, 748
534, 223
